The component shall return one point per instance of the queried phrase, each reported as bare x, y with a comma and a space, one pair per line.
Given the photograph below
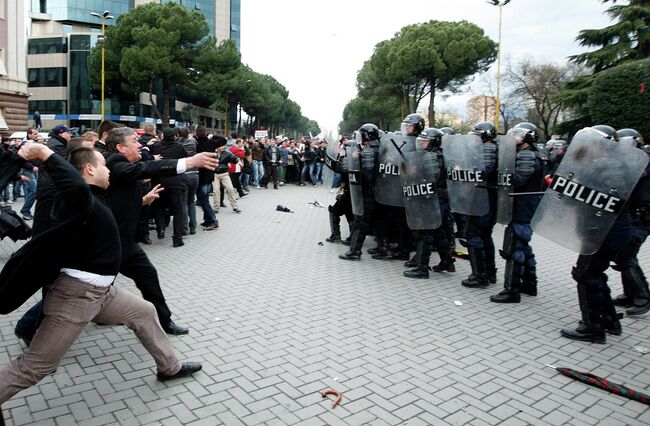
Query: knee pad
518, 257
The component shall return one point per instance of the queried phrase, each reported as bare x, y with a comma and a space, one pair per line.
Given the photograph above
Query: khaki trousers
70, 304
221, 181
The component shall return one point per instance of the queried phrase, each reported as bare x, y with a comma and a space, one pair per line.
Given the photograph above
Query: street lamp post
104, 16
500, 4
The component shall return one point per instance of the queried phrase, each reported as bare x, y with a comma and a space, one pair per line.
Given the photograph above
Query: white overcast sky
316, 47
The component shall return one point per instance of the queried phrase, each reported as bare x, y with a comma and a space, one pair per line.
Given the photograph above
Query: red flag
642, 88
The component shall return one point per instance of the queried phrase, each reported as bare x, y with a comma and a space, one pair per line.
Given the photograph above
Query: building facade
14, 91
63, 32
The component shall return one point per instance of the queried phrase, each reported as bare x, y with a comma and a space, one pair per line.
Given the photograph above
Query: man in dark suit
127, 171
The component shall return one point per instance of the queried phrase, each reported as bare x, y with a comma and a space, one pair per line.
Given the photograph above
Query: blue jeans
203, 197
317, 175
258, 172
307, 168
189, 201
337, 180
244, 181
30, 192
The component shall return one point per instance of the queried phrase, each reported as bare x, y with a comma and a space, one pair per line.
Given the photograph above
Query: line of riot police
409, 187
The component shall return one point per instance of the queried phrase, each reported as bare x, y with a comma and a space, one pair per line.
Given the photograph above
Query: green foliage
167, 45
615, 97
424, 58
628, 39
154, 42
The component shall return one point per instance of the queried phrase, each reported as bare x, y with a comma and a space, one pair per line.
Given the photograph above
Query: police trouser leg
514, 257
488, 247
638, 290
356, 241
511, 282
335, 227
444, 251
529, 277
413, 262
591, 328
422, 256
478, 277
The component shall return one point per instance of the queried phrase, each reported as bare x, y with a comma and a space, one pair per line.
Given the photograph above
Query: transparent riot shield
418, 178
505, 182
354, 174
388, 189
588, 191
465, 173
332, 163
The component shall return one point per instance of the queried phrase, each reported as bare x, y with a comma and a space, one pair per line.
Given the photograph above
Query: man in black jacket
172, 196
206, 176
86, 265
127, 171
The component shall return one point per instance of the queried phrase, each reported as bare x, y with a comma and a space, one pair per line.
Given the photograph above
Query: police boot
413, 262
625, 300
640, 295
611, 318
422, 255
446, 262
398, 255
335, 226
529, 280
489, 262
511, 279
381, 250
478, 277
356, 242
591, 328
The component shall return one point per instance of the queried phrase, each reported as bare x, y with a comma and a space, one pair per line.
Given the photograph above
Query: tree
155, 43
423, 59
618, 97
625, 40
628, 39
536, 86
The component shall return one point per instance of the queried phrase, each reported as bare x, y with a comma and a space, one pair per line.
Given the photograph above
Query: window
48, 107
47, 77
47, 45
3, 70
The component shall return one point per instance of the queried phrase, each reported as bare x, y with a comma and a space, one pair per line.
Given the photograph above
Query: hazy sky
316, 47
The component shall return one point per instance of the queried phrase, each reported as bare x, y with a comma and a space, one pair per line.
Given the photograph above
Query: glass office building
57, 65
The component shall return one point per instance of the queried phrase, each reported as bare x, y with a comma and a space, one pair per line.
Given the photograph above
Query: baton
398, 148
519, 194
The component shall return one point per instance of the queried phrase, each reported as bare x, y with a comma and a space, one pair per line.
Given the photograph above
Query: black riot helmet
447, 130
630, 137
606, 131
522, 136
367, 133
429, 138
415, 120
531, 128
485, 130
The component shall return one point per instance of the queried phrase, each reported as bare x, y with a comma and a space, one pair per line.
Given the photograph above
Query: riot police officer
556, 155
388, 190
362, 188
429, 144
343, 205
597, 308
478, 229
636, 295
520, 274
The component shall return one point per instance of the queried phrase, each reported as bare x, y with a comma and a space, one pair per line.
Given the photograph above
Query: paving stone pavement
276, 318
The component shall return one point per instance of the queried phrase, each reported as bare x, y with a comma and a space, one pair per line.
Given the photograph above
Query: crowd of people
131, 184
420, 189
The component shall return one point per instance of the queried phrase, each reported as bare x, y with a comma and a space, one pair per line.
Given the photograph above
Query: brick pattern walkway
276, 318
